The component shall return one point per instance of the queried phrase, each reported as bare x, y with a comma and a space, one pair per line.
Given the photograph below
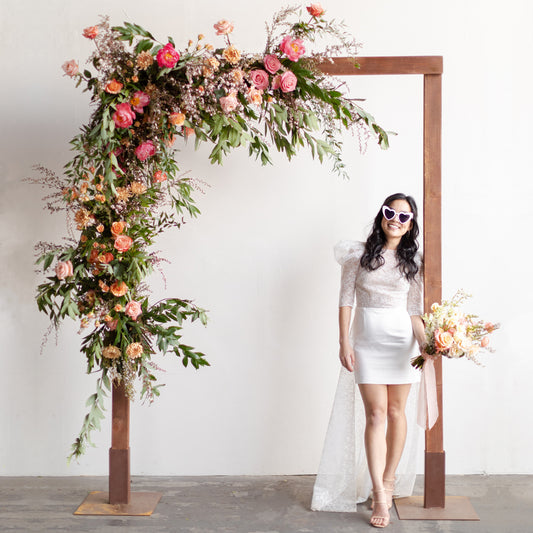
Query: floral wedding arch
123, 186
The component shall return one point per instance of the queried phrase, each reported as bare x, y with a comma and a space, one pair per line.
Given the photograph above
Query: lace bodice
384, 287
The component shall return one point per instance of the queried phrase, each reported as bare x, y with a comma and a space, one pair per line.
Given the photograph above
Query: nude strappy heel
389, 485
379, 497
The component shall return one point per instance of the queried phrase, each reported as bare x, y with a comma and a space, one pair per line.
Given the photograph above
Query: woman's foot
388, 485
380, 514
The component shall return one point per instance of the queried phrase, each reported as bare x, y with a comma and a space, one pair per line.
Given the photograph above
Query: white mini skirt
384, 344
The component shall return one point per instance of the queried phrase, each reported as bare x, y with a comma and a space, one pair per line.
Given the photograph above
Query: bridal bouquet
454, 334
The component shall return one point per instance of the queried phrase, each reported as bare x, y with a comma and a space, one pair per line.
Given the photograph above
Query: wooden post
434, 480
119, 453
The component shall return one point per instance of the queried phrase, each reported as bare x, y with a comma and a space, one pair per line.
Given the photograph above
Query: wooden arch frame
431, 67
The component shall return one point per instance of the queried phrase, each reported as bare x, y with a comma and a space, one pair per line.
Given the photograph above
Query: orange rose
118, 288
91, 32
123, 243
113, 87
176, 119
443, 340
117, 228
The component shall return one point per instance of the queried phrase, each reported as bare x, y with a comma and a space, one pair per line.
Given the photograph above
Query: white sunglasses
389, 213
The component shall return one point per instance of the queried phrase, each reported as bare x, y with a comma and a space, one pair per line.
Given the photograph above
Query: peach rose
64, 269
485, 342
232, 55
254, 96
167, 57
259, 78
124, 116
223, 27
145, 150
111, 352
118, 288
229, 103
159, 176
443, 340
292, 48
118, 308
70, 68
489, 327
117, 228
315, 10
91, 32
176, 119
272, 63
133, 309
237, 75
287, 82
113, 87
123, 243
134, 350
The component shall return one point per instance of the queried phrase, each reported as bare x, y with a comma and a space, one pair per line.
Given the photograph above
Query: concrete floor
248, 504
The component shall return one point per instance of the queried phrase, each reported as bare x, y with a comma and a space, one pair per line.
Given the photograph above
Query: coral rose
118, 288
167, 57
254, 96
134, 350
70, 68
123, 243
91, 32
124, 116
113, 87
133, 309
159, 176
111, 352
139, 100
176, 119
223, 27
232, 55
292, 48
489, 327
229, 103
259, 79
315, 10
64, 269
272, 63
145, 150
287, 82
443, 340
117, 228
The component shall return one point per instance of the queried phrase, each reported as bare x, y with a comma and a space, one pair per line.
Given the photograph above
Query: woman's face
394, 230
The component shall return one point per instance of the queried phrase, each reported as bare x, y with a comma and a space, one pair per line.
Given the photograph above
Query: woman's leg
375, 402
396, 427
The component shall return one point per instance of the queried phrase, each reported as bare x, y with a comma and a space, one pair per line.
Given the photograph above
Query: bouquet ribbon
428, 408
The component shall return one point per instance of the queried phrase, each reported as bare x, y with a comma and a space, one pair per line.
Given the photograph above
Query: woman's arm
418, 330
346, 353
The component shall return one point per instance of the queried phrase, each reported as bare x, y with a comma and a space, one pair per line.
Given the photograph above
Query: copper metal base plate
97, 504
456, 508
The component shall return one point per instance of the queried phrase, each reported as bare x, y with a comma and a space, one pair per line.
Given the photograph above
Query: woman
384, 276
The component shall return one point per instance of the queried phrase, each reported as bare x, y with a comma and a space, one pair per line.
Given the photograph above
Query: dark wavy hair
372, 258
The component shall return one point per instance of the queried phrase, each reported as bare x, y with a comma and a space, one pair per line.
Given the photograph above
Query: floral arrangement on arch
123, 186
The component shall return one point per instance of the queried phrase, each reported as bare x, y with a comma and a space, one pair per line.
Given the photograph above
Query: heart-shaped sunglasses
389, 213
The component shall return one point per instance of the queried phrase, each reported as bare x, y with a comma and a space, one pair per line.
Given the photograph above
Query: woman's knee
376, 416
395, 413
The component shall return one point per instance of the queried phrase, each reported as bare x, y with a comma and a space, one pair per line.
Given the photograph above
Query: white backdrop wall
260, 256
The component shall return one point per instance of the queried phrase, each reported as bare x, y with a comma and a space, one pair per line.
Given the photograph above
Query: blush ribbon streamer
428, 408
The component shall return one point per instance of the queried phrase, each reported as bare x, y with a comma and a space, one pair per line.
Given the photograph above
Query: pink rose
133, 309
91, 32
64, 269
167, 56
123, 116
272, 63
139, 100
223, 27
70, 68
229, 103
145, 150
159, 176
287, 82
292, 48
259, 79
123, 243
276, 81
315, 10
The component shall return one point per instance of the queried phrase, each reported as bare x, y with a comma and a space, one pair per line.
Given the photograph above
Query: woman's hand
347, 356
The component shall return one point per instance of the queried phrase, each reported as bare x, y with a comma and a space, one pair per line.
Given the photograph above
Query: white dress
383, 342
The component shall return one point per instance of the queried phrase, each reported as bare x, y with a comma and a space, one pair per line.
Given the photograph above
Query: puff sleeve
347, 254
